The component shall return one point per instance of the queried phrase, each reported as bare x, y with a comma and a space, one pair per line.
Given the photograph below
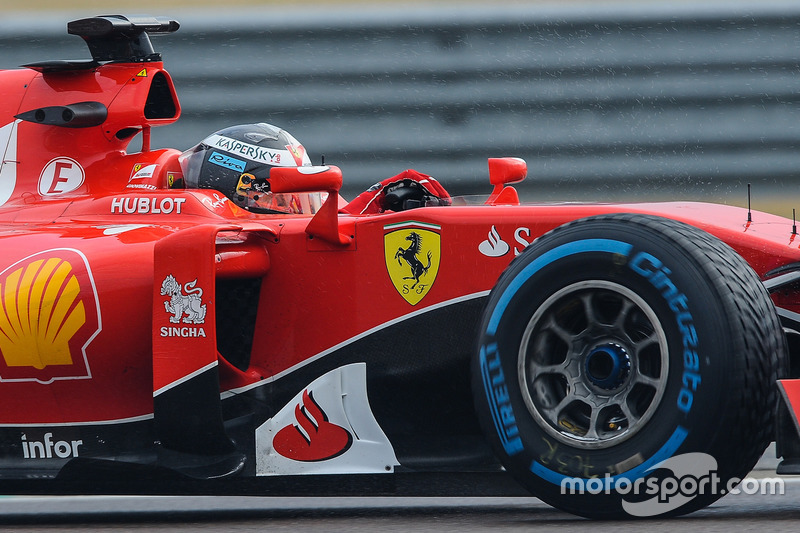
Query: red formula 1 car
220, 321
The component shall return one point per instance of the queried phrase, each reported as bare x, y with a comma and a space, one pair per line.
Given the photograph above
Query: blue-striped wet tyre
626, 367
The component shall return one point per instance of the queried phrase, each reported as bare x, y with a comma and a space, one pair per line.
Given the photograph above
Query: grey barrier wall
603, 103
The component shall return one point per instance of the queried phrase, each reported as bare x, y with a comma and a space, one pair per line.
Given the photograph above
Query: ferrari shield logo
413, 253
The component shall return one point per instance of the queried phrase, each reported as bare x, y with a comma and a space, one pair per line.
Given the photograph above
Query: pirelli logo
49, 314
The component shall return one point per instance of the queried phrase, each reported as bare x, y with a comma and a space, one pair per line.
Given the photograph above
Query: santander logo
494, 246
313, 437
326, 428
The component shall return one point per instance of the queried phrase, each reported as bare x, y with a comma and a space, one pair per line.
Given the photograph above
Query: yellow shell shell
40, 312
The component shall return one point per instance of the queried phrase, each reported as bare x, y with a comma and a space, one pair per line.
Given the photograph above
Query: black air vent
237, 306
159, 100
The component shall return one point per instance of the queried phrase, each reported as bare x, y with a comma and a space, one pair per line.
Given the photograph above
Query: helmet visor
254, 195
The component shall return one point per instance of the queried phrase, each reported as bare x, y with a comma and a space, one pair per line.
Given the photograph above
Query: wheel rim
593, 364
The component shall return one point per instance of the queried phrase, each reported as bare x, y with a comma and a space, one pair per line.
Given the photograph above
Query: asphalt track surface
742, 512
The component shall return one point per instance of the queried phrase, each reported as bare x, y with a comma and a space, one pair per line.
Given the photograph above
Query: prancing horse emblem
410, 256
412, 252
179, 304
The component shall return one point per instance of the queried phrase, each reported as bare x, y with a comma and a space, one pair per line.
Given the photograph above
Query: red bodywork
89, 235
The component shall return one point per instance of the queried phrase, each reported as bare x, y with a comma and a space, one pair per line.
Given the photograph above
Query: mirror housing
328, 178
305, 179
502, 172
507, 170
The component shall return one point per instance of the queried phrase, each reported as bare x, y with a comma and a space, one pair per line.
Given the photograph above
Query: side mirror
325, 224
305, 179
502, 172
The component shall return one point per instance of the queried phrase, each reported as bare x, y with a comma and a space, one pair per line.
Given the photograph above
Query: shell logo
49, 314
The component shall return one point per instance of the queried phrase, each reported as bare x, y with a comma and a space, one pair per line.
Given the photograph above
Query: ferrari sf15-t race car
221, 321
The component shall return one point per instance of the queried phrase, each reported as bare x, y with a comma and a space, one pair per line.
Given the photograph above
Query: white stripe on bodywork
8, 163
184, 379
128, 420
279, 375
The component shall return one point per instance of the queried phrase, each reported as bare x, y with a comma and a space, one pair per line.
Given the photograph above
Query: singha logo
179, 304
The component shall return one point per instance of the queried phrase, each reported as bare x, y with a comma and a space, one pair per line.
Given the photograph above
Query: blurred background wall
605, 102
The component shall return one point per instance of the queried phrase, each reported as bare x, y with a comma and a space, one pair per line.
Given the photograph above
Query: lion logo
179, 304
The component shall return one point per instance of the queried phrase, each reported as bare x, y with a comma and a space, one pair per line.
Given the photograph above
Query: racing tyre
626, 367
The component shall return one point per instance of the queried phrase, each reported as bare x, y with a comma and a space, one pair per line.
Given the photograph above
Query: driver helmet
236, 161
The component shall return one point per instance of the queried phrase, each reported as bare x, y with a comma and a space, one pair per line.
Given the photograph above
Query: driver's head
236, 161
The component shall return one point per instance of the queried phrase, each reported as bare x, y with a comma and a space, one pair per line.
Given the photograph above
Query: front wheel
626, 367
